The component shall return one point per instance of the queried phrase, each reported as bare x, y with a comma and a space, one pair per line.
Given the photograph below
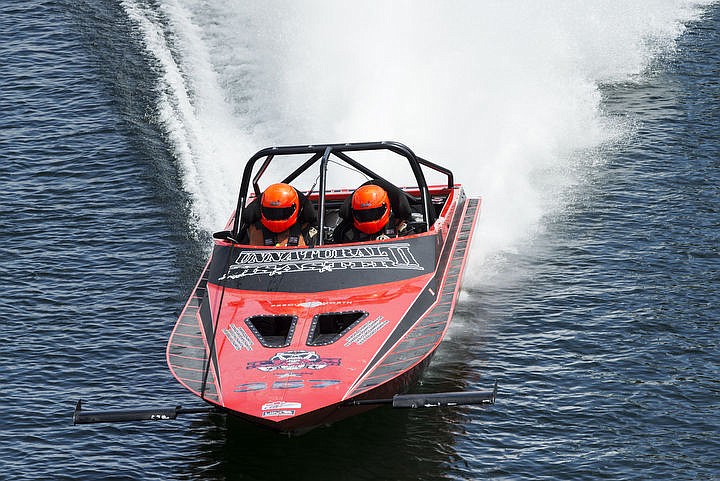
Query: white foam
208, 140
504, 93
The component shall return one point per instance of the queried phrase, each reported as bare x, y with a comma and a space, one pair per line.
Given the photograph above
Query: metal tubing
124, 415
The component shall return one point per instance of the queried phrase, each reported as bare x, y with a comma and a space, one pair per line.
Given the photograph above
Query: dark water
605, 342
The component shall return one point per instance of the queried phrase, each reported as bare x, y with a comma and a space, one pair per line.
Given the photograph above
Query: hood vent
272, 331
329, 327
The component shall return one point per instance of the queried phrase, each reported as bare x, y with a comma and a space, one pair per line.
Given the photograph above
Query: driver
372, 217
279, 226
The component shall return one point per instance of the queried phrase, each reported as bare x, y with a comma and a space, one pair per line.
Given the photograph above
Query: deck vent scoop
272, 331
329, 327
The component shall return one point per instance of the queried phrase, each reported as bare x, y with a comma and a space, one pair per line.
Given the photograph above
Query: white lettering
277, 262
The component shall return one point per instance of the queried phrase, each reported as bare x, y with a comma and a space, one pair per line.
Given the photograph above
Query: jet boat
292, 338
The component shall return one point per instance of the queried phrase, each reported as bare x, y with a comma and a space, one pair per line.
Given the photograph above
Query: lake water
592, 295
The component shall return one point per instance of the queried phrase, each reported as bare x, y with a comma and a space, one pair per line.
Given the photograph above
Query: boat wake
510, 93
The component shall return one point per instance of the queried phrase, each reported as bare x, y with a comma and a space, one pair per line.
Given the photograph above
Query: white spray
505, 93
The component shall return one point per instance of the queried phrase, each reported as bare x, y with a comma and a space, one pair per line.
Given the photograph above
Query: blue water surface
605, 345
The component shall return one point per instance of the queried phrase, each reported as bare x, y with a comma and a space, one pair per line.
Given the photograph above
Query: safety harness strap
354, 235
294, 235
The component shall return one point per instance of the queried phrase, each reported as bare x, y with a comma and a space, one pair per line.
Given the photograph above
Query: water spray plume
506, 93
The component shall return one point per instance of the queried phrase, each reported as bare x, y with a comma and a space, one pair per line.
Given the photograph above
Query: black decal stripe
206, 319
186, 352
417, 341
185, 329
188, 340
428, 323
188, 361
422, 331
439, 315
335, 266
194, 375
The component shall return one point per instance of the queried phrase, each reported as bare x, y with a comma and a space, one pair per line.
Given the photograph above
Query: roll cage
319, 156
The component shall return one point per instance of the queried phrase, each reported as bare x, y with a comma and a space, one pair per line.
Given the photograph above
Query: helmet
370, 208
279, 207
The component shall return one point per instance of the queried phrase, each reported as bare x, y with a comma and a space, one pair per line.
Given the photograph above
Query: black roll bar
323, 152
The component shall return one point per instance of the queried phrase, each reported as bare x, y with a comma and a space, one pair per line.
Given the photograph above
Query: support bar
148, 414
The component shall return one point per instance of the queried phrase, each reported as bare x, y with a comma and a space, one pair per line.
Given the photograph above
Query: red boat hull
394, 297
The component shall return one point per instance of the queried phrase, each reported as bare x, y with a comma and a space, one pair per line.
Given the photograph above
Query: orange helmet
279, 207
370, 208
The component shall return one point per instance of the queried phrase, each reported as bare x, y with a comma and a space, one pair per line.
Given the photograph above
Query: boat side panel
447, 227
187, 349
422, 339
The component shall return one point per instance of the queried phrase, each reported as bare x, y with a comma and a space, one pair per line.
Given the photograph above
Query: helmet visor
369, 215
278, 213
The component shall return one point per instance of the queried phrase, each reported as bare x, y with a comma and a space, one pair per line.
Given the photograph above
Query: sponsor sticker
278, 413
238, 338
275, 405
294, 361
366, 331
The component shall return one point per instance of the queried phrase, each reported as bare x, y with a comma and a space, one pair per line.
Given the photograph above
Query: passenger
281, 219
372, 217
